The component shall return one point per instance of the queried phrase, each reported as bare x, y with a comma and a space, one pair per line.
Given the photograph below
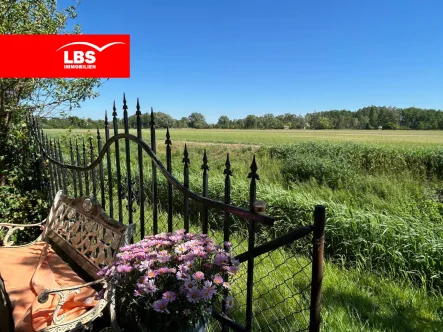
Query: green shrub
22, 196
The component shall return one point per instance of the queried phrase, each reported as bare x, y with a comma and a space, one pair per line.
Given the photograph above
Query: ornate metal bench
80, 230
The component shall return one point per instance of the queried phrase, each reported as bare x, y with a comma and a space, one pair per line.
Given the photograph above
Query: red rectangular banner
64, 56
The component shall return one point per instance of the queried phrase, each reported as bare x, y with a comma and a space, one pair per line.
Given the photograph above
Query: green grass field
384, 196
272, 137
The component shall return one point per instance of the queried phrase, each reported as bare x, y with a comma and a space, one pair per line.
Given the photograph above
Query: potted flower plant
170, 281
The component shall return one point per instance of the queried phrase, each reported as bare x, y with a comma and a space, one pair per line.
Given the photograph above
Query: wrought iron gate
133, 192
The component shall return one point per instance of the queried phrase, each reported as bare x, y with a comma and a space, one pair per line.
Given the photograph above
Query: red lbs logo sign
64, 56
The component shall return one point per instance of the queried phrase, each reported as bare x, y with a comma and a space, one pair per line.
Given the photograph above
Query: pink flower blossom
176, 238
163, 256
198, 275
226, 285
218, 280
125, 268
163, 270
169, 296
181, 249
194, 295
160, 305
151, 274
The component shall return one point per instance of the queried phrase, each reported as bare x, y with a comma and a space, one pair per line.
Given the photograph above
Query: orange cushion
26, 272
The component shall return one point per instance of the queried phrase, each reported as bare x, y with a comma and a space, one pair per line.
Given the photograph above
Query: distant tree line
371, 117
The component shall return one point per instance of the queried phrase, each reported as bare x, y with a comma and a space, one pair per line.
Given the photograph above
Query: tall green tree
223, 122
20, 97
40, 96
197, 120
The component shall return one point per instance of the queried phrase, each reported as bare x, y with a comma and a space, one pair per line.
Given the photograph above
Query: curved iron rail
207, 202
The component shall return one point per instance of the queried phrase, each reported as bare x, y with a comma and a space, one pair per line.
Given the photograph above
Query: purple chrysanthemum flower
194, 295
208, 292
190, 284
169, 296
160, 305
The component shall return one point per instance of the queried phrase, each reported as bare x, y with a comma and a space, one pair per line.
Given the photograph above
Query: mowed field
384, 196
272, 137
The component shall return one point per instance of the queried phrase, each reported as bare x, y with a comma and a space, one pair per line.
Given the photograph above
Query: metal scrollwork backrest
81, 228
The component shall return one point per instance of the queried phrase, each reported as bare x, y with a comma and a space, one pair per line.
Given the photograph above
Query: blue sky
255, 57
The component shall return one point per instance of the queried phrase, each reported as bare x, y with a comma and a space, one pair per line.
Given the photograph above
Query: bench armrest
14, 227
63, 293
43, 296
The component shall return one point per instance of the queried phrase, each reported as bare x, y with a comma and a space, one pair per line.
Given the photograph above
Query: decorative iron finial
138, 113
253, 174
168, 137
227, 171
106, 119
114, 114
152, 123
98, 134
205, 162
186, 157
125, 107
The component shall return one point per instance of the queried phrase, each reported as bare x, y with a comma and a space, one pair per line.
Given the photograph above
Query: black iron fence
279, 286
